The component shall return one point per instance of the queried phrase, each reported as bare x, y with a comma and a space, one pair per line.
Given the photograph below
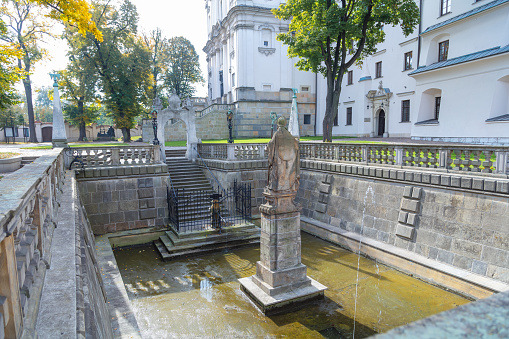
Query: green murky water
200, 296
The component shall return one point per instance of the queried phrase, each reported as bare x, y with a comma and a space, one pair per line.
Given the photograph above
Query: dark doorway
47, 133
381, 123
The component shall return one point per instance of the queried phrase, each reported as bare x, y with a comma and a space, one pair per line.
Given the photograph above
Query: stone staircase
25, 160
175, 152
189, 178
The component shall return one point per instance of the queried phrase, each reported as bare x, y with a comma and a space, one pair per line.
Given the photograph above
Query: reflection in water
200, 296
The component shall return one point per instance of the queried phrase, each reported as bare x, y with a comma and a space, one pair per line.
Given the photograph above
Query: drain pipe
419, 36
316, 100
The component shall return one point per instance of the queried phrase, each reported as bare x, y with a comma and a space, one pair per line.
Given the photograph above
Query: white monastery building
447, 81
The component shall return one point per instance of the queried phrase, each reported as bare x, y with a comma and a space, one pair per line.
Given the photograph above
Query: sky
187, 18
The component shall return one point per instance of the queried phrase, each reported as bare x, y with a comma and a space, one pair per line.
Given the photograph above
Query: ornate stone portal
186, 113
280, 280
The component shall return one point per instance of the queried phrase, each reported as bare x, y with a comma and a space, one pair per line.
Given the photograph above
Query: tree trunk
81, 126
126, 133
331, 106
83, 132
30, 108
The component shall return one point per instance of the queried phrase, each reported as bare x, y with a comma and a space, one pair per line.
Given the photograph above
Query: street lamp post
154, 126
229, 118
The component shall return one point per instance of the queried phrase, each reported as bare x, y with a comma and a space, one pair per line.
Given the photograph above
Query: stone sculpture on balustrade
175, 110
280, 278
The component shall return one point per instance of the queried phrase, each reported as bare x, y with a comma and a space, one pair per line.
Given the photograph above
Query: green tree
10, 74
122, 62
78, 84
183, 67
158, 47
26, 29
330, 36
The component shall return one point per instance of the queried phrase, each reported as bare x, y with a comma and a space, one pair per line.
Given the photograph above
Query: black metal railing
191, 211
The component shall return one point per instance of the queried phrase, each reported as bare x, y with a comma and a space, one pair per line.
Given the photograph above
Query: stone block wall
252, 116
463, 228
119, 203
251, 172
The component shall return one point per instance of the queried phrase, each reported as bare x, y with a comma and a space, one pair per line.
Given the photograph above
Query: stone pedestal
280, 281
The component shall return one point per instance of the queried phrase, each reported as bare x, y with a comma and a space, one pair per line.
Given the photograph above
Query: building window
266, 37
304, 89
405, 110
307, 119
445, 7
350, 77
336, 123
233, 79
408, 61
378, 69
349, 115
267, 87
438, 100
443, 50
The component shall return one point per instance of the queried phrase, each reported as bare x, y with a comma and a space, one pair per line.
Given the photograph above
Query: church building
448, 80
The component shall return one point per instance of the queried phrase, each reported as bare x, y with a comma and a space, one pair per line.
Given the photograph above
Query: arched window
266, 40
500, 102
430, 107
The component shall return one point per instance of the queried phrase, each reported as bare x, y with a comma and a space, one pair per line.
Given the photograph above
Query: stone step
168, 251
191, 238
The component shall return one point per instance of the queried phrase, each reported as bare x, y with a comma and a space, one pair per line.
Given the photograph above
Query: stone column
59, 137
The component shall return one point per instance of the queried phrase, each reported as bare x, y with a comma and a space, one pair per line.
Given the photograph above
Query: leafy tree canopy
330, 36
183, 67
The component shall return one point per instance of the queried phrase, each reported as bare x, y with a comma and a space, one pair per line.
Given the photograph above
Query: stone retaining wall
463, 228
125, 197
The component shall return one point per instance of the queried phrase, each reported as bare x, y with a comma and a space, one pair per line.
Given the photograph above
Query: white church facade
447, 81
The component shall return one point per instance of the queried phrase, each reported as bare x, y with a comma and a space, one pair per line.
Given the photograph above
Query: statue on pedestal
284, 160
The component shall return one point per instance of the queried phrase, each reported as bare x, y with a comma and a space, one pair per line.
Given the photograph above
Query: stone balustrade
469, 159
232, 152
214, 107
29, 199
116, 156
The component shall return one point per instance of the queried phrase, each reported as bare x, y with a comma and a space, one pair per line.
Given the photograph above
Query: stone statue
284, 160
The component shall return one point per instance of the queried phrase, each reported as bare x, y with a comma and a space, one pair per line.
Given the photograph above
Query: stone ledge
462, 281
121, 171
452, 180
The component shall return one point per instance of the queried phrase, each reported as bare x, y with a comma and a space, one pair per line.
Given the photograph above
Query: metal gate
204, 210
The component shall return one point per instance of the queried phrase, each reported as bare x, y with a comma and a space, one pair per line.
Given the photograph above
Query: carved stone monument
293, 125
280, 280
59, 136
186, 113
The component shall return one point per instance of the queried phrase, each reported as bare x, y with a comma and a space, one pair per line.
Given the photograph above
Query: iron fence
191, 211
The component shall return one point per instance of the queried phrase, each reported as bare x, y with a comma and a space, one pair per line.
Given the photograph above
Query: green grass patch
80, 145
7, 155
182, 143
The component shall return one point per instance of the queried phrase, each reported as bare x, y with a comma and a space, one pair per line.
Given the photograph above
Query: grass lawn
6, 155
80, 145
182, 143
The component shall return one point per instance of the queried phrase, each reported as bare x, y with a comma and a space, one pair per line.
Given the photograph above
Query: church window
350, 77
438, 101
378, 69
307, 119
304, 89
348, 116
405, 110
443, 50
266, 37
445, 6
408, 61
